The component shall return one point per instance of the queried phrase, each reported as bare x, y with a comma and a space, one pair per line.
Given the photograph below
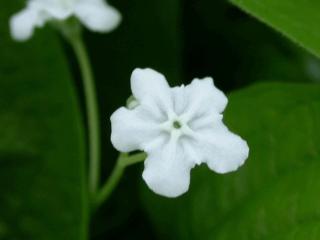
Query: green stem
92, 112
123, 161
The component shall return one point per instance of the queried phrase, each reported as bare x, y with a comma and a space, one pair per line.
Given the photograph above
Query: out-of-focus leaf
297, 19
275, 194
222, 41
42, 181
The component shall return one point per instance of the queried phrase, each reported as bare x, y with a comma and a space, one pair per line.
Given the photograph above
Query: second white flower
96, 15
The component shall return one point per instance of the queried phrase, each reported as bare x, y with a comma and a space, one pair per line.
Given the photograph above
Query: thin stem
92, 112
134, 158
123, 161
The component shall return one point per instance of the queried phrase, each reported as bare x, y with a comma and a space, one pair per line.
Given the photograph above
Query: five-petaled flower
178, 128
96, 15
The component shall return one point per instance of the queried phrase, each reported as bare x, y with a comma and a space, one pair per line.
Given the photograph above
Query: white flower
96, 15
179, 128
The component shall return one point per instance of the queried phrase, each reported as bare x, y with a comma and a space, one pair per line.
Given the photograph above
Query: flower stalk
123, 161
91, 111
72, 32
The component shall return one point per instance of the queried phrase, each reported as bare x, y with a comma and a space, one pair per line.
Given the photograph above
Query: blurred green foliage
299, 19
42, 142
221, 41
42, 149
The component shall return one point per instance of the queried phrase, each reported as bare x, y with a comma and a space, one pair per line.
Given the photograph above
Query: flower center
176, 124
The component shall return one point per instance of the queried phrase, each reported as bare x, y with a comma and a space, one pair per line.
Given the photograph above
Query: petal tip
148, 82
163, 190
232, 162
19, 30
98, 16
137, 72
116, 138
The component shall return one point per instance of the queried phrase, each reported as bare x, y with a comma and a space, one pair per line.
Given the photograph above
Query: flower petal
58, 10
131, 128
167, 170
97, 15
221, 149
151, 88
205, 121
204, 98
22, 24
179, 99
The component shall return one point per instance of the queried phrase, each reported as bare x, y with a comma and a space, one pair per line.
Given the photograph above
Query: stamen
176, 124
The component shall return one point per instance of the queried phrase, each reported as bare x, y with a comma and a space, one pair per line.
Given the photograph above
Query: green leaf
42, 181
298, 20
233, 40
275, 194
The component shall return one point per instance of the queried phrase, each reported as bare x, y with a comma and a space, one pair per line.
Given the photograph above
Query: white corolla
178, 128
96, 15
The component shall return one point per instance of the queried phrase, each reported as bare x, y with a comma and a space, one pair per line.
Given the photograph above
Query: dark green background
42, 145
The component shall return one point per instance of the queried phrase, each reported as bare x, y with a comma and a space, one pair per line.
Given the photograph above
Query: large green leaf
275, 194
299, 19
41, 142
230, 39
